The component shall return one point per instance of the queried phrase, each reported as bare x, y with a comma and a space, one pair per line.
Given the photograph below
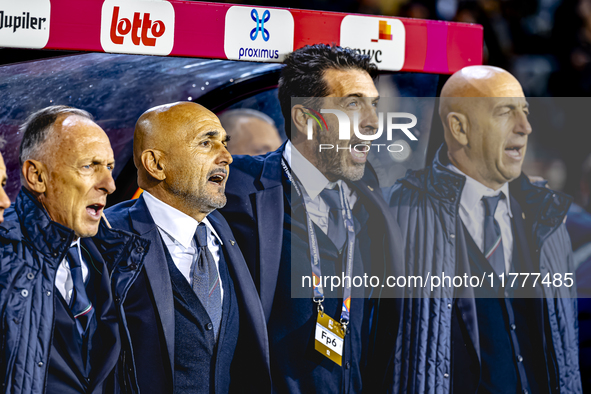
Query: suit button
117, 299
519, 358
347, 365
55, 254
209, 326
133, 266
446, 375
140, 249
40, 363
513, 327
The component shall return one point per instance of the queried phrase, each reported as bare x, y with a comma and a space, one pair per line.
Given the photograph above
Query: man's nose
4, 200
369, 122
224, 157
106, 183
523, 126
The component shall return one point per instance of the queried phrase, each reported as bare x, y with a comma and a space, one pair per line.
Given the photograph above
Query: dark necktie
80, 304
206, 280
493, 242
336, 225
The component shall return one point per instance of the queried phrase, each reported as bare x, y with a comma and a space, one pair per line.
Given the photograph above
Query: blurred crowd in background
546, 44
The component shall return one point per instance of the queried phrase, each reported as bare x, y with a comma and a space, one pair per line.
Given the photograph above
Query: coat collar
271, 173
48, 237
546, 207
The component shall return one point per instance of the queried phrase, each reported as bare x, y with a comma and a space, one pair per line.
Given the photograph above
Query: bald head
476, 81
180, 152
484, 115
164, 126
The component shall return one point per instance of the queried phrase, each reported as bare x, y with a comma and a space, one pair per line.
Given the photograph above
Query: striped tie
80, 304
206, 280
493, 242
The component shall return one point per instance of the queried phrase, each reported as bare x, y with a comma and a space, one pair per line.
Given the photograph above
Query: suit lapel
246, 291
156, 270
269, 214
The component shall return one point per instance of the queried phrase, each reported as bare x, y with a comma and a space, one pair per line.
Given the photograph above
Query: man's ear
300, 120
154, 162
34, 174
459, 127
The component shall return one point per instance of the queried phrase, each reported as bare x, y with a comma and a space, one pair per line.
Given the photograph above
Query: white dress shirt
63, 277
472, 213
313, 182
178, 230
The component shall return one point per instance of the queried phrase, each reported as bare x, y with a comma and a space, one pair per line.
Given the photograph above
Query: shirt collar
175, 223
311, 178
474, 191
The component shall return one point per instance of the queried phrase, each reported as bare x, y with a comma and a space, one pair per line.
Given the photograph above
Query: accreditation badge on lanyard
330, 334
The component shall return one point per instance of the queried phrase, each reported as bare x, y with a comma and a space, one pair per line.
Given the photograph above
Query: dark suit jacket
255, 211
466, 357
252, 349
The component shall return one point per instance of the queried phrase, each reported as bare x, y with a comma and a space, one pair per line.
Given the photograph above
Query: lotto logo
131, 26
123, 26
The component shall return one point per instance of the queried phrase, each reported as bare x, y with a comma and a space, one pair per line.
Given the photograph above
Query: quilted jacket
31, 248
426, 206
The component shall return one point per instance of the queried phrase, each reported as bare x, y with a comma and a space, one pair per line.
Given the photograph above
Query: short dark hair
35, 128
303, 74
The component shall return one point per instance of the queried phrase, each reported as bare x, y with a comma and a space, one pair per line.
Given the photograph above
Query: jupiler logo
24, 24
26, 21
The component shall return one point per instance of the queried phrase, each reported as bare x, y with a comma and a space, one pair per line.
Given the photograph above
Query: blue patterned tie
206, 280
337, 232
80, 304
493, 242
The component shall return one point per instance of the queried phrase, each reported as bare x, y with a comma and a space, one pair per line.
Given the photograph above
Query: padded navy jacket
31, 248
426, 206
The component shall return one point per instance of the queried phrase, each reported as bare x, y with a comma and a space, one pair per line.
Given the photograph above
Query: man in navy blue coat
63, 272
273, 222
195, 319
474, 214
